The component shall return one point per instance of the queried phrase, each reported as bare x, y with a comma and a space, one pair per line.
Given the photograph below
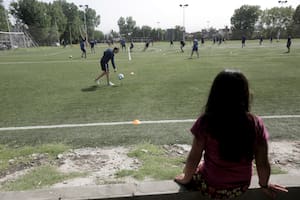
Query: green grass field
43, 86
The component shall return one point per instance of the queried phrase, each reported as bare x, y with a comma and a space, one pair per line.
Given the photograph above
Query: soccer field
43, 86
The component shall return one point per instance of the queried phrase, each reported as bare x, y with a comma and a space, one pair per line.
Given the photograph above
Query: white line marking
53, 61
129, 55
124, 123
279, 116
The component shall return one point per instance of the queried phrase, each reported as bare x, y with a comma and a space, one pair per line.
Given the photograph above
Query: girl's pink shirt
222, 174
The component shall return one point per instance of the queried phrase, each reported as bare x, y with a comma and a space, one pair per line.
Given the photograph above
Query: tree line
253, 22
249, 21
62, 21
52, 22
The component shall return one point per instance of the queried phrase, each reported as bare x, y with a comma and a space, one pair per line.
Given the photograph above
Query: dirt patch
101, 164
286, 156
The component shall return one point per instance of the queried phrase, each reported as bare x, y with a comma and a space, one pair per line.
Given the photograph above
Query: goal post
16, 39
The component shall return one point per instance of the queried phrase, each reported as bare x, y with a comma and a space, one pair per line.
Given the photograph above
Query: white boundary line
124, 123
129, 55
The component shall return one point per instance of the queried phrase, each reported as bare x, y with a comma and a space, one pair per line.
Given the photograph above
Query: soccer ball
121, 76
70, 56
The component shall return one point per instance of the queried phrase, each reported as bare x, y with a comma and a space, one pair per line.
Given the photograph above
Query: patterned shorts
198, 183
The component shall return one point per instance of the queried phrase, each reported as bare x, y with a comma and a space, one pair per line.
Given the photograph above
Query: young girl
229, 137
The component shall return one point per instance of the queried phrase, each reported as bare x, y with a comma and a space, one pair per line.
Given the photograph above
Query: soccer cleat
98, 82
110, 84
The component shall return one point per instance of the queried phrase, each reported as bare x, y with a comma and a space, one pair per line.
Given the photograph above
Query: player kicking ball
108, 55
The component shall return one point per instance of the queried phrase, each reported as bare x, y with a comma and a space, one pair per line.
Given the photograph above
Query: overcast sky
167, 13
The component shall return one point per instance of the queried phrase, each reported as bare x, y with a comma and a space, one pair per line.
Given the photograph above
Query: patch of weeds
14, 159
274, 169
277, 170
155, 163
38, 178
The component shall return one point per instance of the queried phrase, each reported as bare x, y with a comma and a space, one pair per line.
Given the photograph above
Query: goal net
16, 39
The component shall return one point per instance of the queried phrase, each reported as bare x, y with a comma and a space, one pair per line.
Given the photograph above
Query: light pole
157, 30
282, 2
84, 16
278, 33
183, 19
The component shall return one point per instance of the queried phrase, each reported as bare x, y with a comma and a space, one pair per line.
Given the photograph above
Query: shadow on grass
93, 88
90, 88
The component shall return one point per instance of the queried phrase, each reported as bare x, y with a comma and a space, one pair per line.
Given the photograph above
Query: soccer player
123, 44
182, 44
82, 47
195, 48
92, 44
131, 46
171, 43
260, 40
243, 41
146, 45
108, 55
288, 43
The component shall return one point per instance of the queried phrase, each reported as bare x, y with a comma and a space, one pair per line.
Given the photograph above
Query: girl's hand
181, 179
273, 189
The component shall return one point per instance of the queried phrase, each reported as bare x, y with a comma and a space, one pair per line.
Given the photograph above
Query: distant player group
109, 53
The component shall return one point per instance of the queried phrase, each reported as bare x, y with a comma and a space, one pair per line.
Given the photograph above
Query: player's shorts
195, 48
82, 49
104, 66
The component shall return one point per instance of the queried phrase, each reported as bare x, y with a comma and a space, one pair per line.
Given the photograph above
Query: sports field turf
43, 86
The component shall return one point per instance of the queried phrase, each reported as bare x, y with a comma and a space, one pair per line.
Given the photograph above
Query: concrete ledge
159, 190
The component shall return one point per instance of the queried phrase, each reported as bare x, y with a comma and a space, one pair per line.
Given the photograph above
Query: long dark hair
227, 116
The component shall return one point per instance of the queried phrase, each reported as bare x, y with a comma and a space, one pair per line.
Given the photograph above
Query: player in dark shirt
108, 55
182, 44
288, 43
82, 47
261, 40
92, 44
123, 44
243, 41
146, 45
131, 46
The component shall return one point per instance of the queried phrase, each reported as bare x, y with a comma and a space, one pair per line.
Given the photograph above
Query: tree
58, 18
58, 21
276, 21
49, 23
146, 30
137, 32
296, 22
34, 14
71, 32
92, 21
296, 15
243, 21
127, 26
3, 17
113, 34
98, 35
122, 25
130, 25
